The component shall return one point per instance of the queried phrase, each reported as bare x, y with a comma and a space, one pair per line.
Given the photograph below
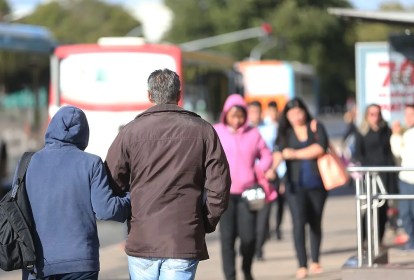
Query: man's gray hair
164, 86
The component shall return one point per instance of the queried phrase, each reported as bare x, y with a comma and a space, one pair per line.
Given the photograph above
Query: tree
4, 10
82, 21
374, 32
309, 33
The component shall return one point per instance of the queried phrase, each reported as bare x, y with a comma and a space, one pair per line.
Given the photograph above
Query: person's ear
150, 98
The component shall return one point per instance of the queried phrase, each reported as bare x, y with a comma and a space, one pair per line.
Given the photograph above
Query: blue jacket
68, 189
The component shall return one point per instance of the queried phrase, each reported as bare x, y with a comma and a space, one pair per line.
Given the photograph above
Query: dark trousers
262, 228
92, 275
306, 206
237, 221
280, 205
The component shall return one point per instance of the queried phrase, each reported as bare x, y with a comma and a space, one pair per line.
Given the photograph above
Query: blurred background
301, 35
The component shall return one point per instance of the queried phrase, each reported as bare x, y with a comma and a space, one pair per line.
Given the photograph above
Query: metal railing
370, 195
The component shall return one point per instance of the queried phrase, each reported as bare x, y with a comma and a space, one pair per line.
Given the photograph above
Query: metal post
221, 39
375, 203
358, 185
369, 218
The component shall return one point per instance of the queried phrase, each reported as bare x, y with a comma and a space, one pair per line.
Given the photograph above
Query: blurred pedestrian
299, 146
68, 189
268, 132
172, 162
243, 146
273, 119
373, 148
403, 148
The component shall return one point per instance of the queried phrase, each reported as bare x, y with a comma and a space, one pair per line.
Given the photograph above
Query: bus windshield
105, 79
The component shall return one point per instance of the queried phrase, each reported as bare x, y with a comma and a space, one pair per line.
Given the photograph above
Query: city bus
275, 80
108, 81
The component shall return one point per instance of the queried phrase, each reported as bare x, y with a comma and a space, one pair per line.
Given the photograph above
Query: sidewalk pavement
339, 244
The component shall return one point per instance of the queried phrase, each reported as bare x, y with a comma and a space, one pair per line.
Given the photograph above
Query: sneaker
401, 239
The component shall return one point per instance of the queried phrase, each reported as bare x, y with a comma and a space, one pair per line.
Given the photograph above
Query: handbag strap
314, 128
21, 172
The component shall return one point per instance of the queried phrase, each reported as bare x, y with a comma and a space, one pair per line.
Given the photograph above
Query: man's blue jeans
406, 208
162, 269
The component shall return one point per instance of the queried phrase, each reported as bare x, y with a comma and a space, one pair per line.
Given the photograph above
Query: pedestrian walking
273, 119
403, 148
268, 131
299, 146
172, 162
68, 189
373, 148
243, 146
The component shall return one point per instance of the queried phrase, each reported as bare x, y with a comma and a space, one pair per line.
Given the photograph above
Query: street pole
226, 38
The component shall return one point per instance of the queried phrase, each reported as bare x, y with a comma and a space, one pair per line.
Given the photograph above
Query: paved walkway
339, 244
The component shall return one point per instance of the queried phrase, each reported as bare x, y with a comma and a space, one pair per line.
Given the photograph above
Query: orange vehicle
275, 80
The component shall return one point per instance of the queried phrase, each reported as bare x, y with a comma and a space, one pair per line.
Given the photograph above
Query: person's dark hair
255, 103
409, 105
272, 104
284, 124
239, 108
164, 86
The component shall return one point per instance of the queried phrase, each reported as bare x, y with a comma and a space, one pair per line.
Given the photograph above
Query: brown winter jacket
174, 166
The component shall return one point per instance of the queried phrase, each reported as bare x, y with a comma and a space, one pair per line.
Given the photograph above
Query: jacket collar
166, 108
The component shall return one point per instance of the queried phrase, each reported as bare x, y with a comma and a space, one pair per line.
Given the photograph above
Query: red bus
108, 81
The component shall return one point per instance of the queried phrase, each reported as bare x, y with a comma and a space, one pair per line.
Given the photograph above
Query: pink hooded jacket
242, 149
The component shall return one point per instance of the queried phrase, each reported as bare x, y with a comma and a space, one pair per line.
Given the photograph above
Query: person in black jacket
372, 148
299, 146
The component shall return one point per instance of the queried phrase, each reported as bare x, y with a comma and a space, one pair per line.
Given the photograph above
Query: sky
21, 6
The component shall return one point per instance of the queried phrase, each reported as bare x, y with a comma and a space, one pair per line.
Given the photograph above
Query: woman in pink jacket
243, 146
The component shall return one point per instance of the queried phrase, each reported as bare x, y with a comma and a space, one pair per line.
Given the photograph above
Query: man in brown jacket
174, 166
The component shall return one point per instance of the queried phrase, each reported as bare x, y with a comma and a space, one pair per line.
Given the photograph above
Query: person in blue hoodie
68, 190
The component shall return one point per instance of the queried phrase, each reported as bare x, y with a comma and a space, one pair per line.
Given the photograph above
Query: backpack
17, 250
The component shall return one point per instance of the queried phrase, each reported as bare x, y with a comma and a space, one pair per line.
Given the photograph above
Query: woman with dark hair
300, 142
373, 148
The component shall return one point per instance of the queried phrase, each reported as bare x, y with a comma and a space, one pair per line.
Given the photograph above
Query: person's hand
396, 127
289, 153
270, 175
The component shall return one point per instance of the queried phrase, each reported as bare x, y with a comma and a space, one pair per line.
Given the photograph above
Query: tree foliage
4, 9
82, 21
306, 32
375, 32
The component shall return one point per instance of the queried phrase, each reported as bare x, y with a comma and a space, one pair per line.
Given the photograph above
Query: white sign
373, 81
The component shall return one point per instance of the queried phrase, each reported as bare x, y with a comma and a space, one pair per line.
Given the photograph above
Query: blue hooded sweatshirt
68, 189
